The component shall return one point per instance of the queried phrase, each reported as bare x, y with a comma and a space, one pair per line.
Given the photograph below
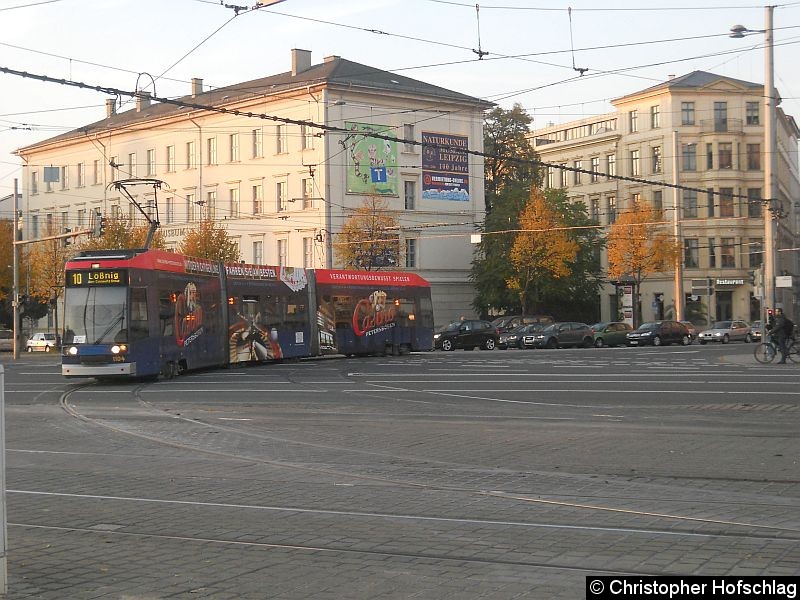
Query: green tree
120, 235
210, 241
369, 238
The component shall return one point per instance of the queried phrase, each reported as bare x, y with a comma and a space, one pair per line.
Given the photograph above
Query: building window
170, 159
657, 160
611, 209
611, 165
234, 196
308, 252
115, 165
34, 182
687, 113
755, 252
151, 162
96, 177
691, 253
234, 142
655, 117
753, 157
308, 192
116, 213
282, 247
576, 174
563, 176
81, 180
594, 177
211, 205
306, 137
132, 166
258, 253
689, 157
635, 169
190, 207
280, 196
170, 212
751, 112
258, 143
725, 202
258, 199
551, 177
411, 254
408, 134
658, 202
80, 222
211, 151
633, 118
281, 140
709, 156
720, 116
35, 226
594, 209
689, 204
711, 201
191, 156
727, 251
712, 254
754, 203
410, 194
725, 155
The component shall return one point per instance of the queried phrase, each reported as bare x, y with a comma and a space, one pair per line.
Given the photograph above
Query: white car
44, 342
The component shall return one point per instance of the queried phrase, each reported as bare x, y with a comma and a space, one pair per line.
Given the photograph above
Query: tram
145, 313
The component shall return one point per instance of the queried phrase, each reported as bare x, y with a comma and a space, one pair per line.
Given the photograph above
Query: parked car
513, 338
44, 342
6, 340
467, 334
610, 334
659, 333
727, 331
755, 330
509, 322
693, 330
561, 335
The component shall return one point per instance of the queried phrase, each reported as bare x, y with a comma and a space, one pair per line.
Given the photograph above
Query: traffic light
102, 225
99, 225
752, 275
66, 240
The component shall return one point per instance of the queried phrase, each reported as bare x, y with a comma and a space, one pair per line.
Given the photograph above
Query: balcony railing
721, 126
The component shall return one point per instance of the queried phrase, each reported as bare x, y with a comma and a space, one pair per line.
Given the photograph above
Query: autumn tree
210, 241
638, 247
46, 264
369, 238
120, 235
542, 250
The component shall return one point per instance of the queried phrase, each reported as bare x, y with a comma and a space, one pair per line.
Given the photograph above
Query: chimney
197, 86
111, 107
331, 58
301, 61
142, 101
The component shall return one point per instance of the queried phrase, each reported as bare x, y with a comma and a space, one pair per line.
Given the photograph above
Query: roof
693, 80
334, 72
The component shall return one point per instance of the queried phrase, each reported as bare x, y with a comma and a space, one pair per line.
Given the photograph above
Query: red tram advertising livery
137, 313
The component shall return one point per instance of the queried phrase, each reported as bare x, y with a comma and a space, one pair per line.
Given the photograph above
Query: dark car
561, 335
467, 334
513, 338
693, 330
509, 322
610, 334
659, 333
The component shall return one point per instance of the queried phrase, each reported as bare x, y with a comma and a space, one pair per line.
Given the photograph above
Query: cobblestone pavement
495, 475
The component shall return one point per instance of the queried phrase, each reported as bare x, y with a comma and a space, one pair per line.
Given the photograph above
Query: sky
534, 50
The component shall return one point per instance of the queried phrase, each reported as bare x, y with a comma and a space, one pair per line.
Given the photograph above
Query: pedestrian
780, 330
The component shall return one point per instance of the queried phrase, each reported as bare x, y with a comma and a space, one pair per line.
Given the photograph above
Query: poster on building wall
372, 162
445, 167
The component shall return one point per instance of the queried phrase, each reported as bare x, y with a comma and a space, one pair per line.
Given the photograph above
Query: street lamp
771, 150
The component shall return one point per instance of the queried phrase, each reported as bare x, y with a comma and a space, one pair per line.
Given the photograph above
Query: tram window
138, 326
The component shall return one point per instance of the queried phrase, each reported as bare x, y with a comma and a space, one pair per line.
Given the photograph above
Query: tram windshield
95, 315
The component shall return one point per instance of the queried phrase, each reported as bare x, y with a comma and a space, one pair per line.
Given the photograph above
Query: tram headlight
119, 349
73, 351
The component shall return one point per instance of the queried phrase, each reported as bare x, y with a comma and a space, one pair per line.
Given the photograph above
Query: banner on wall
372, 162
445, 170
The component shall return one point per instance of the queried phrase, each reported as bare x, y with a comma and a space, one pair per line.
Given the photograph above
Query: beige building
282, 189
712, 128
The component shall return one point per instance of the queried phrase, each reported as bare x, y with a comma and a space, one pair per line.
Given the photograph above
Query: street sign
702, 287
783, 281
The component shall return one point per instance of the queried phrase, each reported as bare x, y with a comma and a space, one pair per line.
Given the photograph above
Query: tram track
758, 530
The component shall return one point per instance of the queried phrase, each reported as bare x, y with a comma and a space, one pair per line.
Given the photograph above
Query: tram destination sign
97, 277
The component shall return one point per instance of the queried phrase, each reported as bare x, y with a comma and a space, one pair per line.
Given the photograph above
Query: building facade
701, 131
282, 188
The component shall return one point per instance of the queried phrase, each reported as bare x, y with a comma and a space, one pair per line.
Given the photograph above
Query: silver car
727, 331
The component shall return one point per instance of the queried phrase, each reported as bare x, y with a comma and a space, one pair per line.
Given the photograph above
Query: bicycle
767, 351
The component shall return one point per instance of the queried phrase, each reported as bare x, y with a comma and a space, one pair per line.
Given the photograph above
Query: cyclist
781, 330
